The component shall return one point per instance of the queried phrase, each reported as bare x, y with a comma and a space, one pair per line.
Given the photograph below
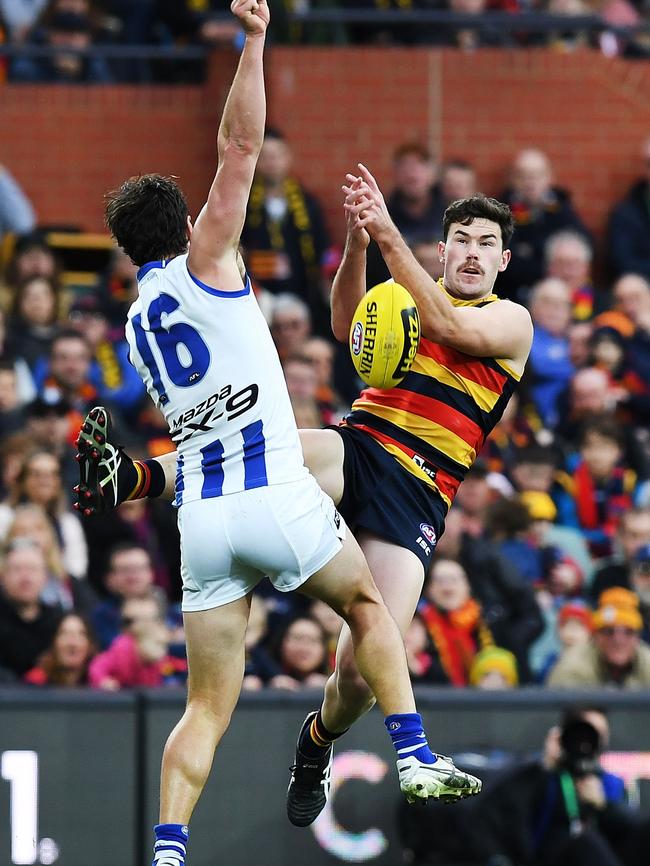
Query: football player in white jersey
247, 505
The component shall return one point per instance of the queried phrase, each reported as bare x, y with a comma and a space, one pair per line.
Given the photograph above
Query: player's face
473, 255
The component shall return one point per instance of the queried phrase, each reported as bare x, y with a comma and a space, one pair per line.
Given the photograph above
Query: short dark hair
272, 132
412, 148
121, 547
458, 163
536, 455
69, 334
479, 206
147, 216
606, 427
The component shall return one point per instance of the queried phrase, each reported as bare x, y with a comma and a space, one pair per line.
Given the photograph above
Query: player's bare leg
324, 454
379, 660
215, 652
347, 694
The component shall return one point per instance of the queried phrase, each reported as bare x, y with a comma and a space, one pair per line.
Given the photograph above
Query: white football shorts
229, 543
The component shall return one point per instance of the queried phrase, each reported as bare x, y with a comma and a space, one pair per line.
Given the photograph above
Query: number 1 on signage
20, 769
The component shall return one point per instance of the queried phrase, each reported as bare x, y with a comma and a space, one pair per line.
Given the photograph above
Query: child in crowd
140, 655
494, 669
598, 487
573, 628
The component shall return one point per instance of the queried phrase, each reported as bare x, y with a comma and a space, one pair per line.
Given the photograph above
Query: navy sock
169, 849
408, 737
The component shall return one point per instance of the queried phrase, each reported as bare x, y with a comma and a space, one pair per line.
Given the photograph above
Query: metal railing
507, 22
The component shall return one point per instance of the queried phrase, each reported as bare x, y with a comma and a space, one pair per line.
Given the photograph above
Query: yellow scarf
299, 214
110, 366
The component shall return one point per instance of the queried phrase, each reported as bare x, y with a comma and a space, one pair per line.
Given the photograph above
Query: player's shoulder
514, 311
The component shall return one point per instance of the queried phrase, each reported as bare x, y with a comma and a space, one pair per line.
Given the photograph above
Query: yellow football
384, 335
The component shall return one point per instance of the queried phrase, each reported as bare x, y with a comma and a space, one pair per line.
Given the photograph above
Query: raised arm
215, 236
349, 284
502, 330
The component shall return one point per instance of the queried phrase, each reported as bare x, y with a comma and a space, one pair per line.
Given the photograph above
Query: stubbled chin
465, 288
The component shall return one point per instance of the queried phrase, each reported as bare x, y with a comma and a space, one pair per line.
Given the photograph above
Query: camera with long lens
581, 748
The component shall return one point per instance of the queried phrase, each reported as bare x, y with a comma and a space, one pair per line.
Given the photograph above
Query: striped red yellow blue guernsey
436, 420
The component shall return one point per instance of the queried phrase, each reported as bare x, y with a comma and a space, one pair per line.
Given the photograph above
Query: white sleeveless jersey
209, 363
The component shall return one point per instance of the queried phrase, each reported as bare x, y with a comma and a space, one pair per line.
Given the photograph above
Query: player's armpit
500, 330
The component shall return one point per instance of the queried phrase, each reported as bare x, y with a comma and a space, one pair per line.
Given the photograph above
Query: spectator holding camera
561, 808
615, 655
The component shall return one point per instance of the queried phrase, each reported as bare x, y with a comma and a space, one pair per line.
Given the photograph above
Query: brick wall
339, 106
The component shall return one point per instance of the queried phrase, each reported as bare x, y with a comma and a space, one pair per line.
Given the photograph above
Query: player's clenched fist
253, 14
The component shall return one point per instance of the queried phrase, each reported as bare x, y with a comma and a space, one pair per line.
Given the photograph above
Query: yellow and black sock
316, 739
138, 479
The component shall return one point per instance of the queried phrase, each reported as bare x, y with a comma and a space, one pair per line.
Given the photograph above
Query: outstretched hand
365, 206
356, 235
254, 15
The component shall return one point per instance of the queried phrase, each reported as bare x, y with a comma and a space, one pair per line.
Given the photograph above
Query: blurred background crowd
57, 40
543, 573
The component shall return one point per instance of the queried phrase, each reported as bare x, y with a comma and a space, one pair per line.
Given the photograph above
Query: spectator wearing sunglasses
615, 655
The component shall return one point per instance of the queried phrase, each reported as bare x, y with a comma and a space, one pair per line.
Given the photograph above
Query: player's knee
206, 703
362, 597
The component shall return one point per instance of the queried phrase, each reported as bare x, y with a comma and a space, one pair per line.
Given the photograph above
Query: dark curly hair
479, 206
147, 216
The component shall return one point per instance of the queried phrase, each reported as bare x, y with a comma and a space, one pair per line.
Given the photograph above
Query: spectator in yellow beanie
494, 668
615, 655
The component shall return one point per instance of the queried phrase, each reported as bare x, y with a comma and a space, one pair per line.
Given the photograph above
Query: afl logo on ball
357, 338
428, 533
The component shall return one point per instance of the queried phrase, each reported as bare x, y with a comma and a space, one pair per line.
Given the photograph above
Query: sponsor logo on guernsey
222, 404
431, 471
427, 538
357, 338
428, 532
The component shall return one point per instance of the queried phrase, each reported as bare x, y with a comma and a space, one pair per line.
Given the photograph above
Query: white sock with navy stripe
408, 737
169, 849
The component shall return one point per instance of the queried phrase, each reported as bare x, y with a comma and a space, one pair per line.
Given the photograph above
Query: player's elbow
340, 327
239, 145
438, 329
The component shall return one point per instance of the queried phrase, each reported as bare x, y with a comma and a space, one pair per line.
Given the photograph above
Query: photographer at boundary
562, 809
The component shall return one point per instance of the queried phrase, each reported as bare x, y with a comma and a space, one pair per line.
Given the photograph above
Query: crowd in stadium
66, 26
543, 573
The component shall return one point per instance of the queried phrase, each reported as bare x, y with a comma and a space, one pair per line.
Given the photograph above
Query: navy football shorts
381, 496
